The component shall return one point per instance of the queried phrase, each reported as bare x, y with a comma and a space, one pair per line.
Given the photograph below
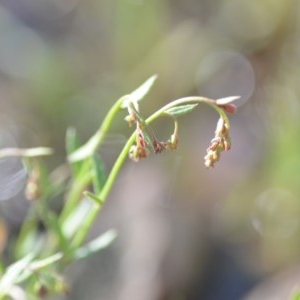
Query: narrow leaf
13, 272
178, 111
101, 242
39, 264
72, 223
87, 149
140, 92
99, 176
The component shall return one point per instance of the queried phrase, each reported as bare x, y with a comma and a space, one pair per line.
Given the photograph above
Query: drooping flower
221, 142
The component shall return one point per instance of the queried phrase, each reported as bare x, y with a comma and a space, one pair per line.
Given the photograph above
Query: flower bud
229, 108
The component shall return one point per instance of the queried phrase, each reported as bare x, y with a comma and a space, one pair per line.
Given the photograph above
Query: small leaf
227, 100
178, 111
101, 242
39, 264
139, 93
75, 220
99, 176
87, 149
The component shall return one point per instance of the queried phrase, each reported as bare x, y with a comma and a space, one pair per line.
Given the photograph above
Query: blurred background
184, 232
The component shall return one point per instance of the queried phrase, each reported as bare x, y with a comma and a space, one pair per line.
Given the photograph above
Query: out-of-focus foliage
63, 63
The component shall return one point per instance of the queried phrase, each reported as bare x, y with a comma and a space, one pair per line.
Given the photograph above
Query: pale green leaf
76, 218
178, 111
87, 149
139, 93
13, 272
101, 242
39, 264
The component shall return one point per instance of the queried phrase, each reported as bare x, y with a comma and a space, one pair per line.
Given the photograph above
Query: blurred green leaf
99, 176
76, 218
13, 272
178, 111
39, 264
87, 149
101, 242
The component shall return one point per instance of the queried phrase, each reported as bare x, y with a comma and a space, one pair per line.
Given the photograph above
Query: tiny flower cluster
221, 142
141, 149
146, 140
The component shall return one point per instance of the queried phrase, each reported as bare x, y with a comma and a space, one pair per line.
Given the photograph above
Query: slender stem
106, 124
189, 100
79, 238
84, 152
123, 155
116, 168
89, 148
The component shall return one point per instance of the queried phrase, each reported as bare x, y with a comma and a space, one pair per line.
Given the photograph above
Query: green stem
189, 100
124, 153
84, 152
83, 231
89, 148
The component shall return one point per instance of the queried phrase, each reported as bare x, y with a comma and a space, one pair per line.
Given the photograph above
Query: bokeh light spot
226, 73
276, 213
